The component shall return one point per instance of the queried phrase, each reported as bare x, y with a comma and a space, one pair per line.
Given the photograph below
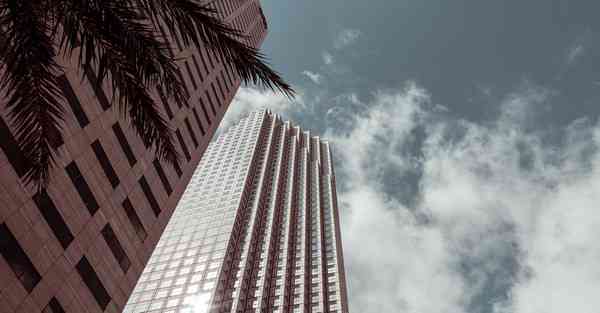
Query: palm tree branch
197, 23
114, 25
29, 78
142, 110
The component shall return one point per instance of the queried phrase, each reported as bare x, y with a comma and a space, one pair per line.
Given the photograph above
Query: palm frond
145, 117
197, 24
115, 40
29, 79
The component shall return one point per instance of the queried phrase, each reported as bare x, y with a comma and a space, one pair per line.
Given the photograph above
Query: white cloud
471, 188
249, 99
327, 58
314, 77
574, 53
345, 38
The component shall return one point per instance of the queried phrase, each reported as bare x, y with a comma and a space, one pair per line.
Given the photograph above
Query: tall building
81, 245
257, 229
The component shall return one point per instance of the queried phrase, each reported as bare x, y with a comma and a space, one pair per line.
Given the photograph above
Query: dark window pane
191, 131
204, 110
109, 171
189, 71
92, 281
17, 259
220, 89
219, 101
186, 152
53, 218
165, 103
100, 95
197, 67
187, 91
134, 219
162, 176
212, 105
53, 307
149, 195
208, 55
82, 187
124, 144
177, 169
73, 101
203, 62
198, 121
115, 247
11, 149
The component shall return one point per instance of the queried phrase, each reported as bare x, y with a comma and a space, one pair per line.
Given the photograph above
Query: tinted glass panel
17, 259
134, 219
100, 95
82, 188
115, 247
149, 196
177, 169
124, 144
204, 110
198, 121
109, 171
212, 105
53, 307
189, 71
165, 103
186, 152
191, 131
53, 218
197, 67
11, 149
73, 101
162, 176
92, 281
217, 99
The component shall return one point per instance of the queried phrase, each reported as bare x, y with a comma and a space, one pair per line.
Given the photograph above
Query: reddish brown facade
81, 245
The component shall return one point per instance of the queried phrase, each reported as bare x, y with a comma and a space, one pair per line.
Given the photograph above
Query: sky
466, 142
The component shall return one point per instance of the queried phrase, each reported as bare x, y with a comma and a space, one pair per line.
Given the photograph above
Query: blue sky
466, 142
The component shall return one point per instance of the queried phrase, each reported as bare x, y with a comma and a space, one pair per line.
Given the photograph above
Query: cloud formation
346, 37
327, 58
249, 99
501, 223
574, 53
314, 77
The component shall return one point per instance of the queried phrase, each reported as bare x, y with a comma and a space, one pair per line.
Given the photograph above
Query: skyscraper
81, 245
257, 229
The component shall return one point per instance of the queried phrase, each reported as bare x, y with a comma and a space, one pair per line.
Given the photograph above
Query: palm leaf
197, 24
29, 79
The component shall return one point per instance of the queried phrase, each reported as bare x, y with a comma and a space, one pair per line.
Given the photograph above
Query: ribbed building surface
257, 229
81, 245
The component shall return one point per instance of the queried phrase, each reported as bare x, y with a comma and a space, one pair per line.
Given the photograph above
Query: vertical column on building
246, 301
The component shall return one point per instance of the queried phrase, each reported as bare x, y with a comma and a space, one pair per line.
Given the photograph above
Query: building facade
81, 245
257, 229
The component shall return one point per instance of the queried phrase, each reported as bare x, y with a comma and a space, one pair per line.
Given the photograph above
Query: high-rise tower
81, 245
257, 229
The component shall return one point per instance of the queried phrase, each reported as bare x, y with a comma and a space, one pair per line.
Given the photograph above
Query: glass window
92, 281
82, 187
17, 259
73, 101
109, 171
53, 218
162, 176
134, 219
149, 195
115, 247
124, 144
